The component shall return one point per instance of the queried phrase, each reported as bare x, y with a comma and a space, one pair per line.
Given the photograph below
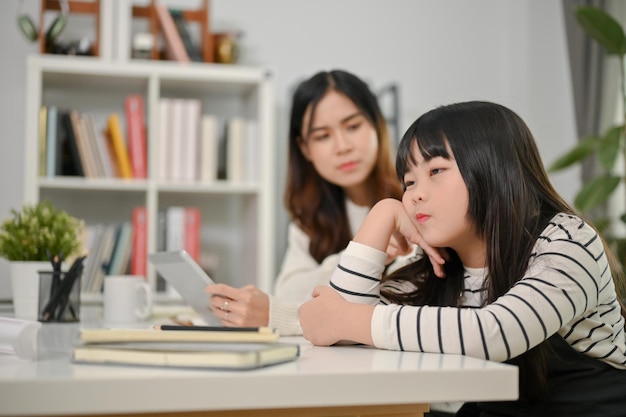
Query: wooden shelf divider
74, 6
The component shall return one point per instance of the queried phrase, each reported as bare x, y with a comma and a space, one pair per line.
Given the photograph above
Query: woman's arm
300, 273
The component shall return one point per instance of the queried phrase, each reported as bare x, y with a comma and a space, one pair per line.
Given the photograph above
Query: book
164, 170
181, 334
120, 255
136, 134
175, 138
189, 139
208, 148
140, 241
174, 47
110, 153
119, 146
51, 141
43, 113
235, 149
96, 147
77, 137
67, 156
191, 233
181, 26
188, 355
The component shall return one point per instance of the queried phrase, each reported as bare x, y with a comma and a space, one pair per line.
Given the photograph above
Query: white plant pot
25, 285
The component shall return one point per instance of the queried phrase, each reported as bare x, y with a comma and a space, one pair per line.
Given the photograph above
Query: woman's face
341, 144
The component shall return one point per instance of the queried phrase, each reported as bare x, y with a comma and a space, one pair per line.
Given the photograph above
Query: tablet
183, 273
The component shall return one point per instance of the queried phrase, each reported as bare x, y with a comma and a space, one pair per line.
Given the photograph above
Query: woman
526, 279
339, 165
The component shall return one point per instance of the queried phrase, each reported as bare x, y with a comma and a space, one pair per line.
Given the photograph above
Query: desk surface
322, 376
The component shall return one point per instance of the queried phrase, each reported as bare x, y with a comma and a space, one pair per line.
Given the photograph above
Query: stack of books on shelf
70, 143
121, 248
185, 347
193, 147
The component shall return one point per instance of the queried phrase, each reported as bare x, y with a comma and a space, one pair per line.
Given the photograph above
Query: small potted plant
31, 239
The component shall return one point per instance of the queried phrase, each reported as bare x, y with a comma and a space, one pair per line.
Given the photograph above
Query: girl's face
437, 200
342, 144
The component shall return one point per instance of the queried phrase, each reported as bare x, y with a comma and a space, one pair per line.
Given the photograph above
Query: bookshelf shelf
237, 217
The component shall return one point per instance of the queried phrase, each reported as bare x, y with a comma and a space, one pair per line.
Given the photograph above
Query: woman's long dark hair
316, 205
511, 201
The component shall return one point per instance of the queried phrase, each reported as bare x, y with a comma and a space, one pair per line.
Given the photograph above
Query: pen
214, 328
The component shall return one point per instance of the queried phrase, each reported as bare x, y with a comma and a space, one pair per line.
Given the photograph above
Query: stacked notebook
185, 347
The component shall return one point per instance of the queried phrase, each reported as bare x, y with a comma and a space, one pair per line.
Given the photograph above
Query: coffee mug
127, 299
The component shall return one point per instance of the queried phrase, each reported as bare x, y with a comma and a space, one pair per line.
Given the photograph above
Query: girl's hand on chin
409, 231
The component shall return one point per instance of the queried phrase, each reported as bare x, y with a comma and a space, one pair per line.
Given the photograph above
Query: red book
136, 134
139, 250
192, 232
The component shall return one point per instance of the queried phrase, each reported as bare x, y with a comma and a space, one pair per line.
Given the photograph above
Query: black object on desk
59, 293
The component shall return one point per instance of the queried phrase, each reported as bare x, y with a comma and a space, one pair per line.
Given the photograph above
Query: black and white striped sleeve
561, 285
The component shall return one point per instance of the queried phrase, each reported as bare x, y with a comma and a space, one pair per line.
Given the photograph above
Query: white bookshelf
237, 218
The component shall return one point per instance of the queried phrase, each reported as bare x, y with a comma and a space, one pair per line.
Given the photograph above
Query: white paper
19, 337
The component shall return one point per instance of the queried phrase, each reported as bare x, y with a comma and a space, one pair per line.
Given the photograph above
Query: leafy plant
610, 35
40, 230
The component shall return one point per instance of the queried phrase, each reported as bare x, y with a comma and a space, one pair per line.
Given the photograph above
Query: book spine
136, 134
77, 143
181, 26
208, 148
235, 144
164, 169
175, 137
174, 47
51, 141
174, 238
140, 240
43, 113
191, 120
95, 146
119, 146
192, 232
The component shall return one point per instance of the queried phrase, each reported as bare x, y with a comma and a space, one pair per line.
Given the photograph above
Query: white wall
438, 51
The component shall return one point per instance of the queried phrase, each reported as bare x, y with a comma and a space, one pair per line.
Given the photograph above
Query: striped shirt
567, 289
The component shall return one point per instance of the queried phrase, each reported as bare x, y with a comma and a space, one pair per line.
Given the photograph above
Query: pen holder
59, 297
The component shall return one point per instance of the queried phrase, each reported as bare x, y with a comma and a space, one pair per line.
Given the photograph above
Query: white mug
127, 299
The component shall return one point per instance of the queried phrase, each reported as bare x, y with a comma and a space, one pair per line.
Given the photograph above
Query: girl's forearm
356, 323
379, 225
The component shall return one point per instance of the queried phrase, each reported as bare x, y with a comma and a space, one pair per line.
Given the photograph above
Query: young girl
526, 279
339, 165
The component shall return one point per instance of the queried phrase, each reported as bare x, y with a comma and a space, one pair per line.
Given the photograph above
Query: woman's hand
328, 318
240, 307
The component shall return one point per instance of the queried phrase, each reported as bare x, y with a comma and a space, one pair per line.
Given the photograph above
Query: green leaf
596, 191
583, 149
608, 147
603, 28
623, 218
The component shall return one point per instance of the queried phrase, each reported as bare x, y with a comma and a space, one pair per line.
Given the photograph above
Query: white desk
324, 381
